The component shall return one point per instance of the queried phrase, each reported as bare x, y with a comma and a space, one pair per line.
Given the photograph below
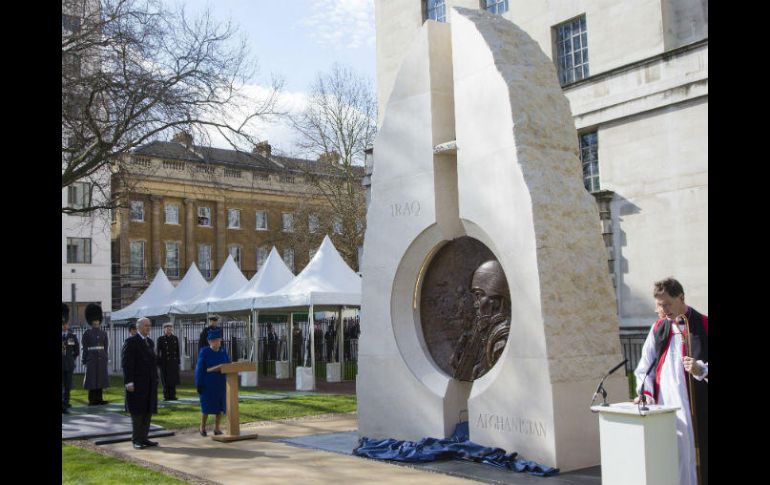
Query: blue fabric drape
456, 446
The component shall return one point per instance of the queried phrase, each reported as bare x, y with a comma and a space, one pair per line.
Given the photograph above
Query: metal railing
239, 345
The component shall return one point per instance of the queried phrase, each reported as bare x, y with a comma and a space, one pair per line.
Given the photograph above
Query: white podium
638, 449
333, 372
282, 369
305, 379
249, 379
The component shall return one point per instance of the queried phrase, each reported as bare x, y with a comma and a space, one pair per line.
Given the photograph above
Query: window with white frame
172, 213
262, 253
233, 218
136, 214
313, 223
78, 250
204, 259
287, 222
204, 216
496, 6
436, 10
337, 225
136, 263
235, 252
79, 195
589, 156
572, 50
288, 258
172, 259
261, 220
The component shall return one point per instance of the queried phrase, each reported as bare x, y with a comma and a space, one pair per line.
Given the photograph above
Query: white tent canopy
326, 280
273, 274
155, 294
228, 281
192, 284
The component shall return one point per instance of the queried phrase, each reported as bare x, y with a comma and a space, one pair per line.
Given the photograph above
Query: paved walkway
269, 461
287, 451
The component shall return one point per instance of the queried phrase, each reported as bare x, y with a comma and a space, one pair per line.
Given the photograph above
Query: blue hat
214, 333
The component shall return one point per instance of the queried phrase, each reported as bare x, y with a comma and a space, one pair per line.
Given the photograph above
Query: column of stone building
220, 227
189, 227
604, 200
125, 252
155, 263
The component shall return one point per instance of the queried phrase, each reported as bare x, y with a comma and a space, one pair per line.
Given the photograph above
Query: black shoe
217, 432
139, 446
149, 443
64, 411
102, 403
202, 432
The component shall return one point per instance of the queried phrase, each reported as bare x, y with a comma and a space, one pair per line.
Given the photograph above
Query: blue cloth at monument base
456, 446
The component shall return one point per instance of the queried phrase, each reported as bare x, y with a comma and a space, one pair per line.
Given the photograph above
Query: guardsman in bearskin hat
70, 349
168, 361
95, 359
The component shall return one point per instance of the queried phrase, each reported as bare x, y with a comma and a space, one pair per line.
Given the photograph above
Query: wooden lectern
233, 417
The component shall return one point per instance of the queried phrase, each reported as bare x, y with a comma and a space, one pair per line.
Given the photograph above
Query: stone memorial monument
486, 294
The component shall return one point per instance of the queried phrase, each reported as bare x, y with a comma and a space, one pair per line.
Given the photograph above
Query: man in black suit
140, 376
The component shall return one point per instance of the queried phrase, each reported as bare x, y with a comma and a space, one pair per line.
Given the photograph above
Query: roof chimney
184, 138
262, 148
329, 157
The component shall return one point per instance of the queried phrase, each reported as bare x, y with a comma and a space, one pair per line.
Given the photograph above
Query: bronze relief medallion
465, 308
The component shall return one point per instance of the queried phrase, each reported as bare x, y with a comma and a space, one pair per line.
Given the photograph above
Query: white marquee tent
155, 294
326, 281
192, 284
273, 275
228, 281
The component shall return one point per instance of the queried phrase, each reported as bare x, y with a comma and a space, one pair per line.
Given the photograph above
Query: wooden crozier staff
692, 393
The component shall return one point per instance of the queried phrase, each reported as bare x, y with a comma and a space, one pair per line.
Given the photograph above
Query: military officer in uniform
70, 349
95, 348
213, 324
168, 361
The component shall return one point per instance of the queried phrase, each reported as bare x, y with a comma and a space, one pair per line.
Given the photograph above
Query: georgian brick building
183, 203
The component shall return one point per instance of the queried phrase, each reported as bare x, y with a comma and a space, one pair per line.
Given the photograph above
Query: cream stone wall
660, 208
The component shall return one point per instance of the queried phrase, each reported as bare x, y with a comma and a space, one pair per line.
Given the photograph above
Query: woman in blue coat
211, 385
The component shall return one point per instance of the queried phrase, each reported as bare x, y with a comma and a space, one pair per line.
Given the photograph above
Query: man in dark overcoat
168, 361
140, 376
95, 346
70, 349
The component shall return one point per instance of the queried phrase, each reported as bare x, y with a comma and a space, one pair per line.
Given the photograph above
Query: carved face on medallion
464, 308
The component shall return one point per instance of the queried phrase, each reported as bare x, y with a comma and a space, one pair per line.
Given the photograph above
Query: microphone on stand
600, 387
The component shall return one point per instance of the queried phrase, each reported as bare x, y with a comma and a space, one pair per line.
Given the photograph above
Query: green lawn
81, 466
185, 416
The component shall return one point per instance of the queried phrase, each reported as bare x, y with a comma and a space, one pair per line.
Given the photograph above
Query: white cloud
341, 23
274, 129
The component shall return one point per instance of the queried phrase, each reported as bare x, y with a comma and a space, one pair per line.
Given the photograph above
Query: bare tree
337, 125
134, 71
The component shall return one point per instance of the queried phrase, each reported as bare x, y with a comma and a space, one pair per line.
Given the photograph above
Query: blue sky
297, 39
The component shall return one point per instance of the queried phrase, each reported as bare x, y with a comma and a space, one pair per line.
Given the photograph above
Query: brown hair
669, 286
